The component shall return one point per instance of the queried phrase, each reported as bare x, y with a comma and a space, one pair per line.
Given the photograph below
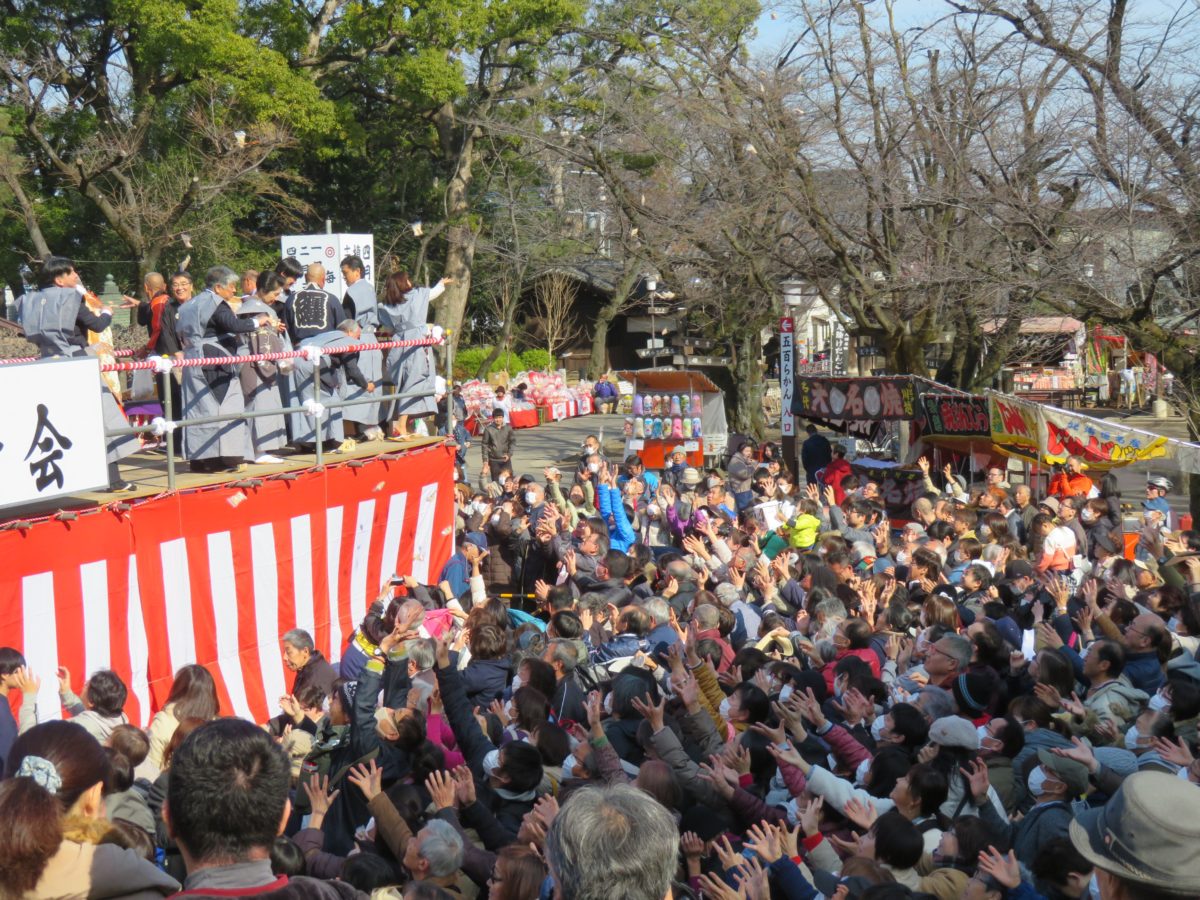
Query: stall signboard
1016, 425
787, 373
956, 415
856, 399
1101, 444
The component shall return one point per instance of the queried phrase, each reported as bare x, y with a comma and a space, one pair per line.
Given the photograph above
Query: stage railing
164, 366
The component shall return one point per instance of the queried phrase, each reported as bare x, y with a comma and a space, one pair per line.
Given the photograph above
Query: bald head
315, 273
154, 284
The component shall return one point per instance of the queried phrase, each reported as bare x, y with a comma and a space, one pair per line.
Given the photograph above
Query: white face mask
652, 509
877, 727
530, 498
860, 774
1159, 702
1132, 737
516, 683
1037, 782
1088, 516
607, 704
491, 762
593, 468
495, 518
785, 692
839, 687
724, 708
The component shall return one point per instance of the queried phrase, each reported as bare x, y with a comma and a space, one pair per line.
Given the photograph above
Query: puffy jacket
485, 680
620, 646
803, 530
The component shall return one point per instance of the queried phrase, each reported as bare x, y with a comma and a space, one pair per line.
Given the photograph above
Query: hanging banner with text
1101, 444
52, 430
856, 399
956, 415
787, 374
1017, 427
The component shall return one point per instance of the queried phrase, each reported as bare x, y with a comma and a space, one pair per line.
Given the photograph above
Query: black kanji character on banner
46, 470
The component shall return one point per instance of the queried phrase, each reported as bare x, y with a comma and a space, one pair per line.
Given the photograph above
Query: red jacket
1064, 484
866, 654
726, 650
833, 474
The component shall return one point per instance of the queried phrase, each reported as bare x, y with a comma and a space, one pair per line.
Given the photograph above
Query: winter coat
1117, 701
621, 646
84, 868
803, 530
486, 680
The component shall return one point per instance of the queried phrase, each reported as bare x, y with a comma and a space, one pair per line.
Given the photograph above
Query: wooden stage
148, 471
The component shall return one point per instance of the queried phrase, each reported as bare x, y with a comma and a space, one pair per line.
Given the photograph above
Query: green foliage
536, 358
468, 360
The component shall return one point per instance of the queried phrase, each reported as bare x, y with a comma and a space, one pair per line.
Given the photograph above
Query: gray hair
442, 848
421, 652
563, 651
958, 648
706, 616
220, 276
935, 703
593, 601
300, 639
409, 604
347, 326
614, 841
657, 609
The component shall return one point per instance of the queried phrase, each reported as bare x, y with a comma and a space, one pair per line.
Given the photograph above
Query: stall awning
670, 380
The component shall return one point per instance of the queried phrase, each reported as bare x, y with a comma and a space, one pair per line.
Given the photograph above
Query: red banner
216, 576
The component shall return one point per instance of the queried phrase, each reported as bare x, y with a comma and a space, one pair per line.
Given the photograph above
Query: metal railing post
169, 415
319, 424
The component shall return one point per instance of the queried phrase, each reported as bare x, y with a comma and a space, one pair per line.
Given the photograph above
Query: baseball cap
1018, 568
954, 731
1148, 833
1073, 774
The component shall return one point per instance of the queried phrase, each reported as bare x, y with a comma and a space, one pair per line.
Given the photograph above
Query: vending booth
673, 408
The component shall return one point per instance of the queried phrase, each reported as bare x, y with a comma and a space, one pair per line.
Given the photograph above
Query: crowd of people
624, 684
283, 309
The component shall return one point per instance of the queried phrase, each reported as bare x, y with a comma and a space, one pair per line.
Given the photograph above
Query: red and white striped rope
253, 358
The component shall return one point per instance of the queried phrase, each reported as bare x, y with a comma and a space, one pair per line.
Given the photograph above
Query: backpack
267, 340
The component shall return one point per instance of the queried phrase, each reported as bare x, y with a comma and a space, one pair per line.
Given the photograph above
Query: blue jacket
457, 572
619, 647
620, 533
485, 680
1144, 672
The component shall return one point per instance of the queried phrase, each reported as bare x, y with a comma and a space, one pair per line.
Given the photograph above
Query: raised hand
1080, 752
692, 845
775, 735
687, 689
810, 816
1176, 754
923, 464
976, 774
64, 679
789, 755
500, 711
763, 839
860, 813
1001, 866
319, 798
441, 789
651, 711
26, 681
546, 809
367, 777
714, 772
752, 880
1048, 694
725, 853
464, 786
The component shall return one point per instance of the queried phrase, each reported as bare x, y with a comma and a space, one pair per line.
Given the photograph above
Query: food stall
671, 408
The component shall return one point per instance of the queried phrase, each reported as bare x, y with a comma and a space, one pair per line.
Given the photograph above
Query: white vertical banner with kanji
52, 431
329, 250
787, 373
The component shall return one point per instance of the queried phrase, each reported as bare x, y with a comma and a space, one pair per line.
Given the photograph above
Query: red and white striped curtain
216, 576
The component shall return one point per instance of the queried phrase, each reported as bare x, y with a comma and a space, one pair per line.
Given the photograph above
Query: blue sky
772, 33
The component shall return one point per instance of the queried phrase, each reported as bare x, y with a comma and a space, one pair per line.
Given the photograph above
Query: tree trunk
32, 225
460, 235
599, 361
748, 384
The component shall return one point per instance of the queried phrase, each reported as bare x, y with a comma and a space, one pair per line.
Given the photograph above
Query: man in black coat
815, 453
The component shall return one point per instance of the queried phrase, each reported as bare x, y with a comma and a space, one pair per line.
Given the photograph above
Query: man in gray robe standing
359, 304
209, 327
337, 369
57, 319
